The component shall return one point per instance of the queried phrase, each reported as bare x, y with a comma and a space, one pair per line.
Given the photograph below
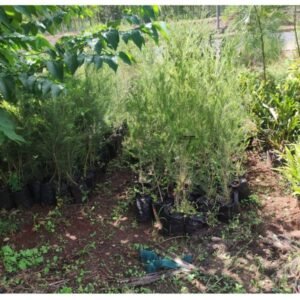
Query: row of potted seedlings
45, 192
177, 223
25, 197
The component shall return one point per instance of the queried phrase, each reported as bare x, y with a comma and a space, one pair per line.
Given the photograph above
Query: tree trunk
261, 35
295, 30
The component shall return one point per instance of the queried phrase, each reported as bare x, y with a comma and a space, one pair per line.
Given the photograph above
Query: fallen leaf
71, 237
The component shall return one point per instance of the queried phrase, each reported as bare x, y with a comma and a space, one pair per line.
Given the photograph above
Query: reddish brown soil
280, 210
100, 236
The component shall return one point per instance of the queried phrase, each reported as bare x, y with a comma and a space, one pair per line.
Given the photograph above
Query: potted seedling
182, 207
47, 193
194, 223
6, 201
33, 168
239, 191
19, 192
35, 190
79, 191
144, 208
241, 186
90, 178
228, 210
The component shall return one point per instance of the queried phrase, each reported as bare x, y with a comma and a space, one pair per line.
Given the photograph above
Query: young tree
29, 62
295, 29
257, 27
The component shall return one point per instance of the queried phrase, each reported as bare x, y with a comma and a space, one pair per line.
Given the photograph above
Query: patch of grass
138, 246
88, 247
202, 256
49, 222
120, 210
89, 288
242, 228
282, 286
253, 201
134, 271
220, 283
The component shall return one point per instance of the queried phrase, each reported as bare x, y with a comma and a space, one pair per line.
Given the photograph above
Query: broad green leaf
156, 10
46, 87
25, 9
80, 59
132, 19
4, 18
56, 89
52, 53
150, 12
98, 61
112, 37
58, 19
7, 55
30, 28
7, 127
126, 57
41, 26
2, 138
111, 61
162, 28
71, 62
152, 31
41, 42
31, 80
23, 78
56, 69
135, 36
7, 87
98, 46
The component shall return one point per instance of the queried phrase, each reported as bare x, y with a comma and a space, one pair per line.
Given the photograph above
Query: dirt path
94, 244
280, 210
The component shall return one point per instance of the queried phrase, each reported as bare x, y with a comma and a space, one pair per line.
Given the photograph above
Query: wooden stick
178, 260
150, 278
172, 238
58, 282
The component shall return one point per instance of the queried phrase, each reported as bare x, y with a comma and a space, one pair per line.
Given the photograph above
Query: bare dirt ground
93, 246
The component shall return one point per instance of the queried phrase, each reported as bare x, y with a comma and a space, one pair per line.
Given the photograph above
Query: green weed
291, 168
220, 283
65, 290
9, 223
23, 259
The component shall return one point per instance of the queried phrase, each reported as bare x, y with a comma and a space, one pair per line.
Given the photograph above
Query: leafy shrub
185, 114
23, 259
64, 135
291, 168
275, 106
